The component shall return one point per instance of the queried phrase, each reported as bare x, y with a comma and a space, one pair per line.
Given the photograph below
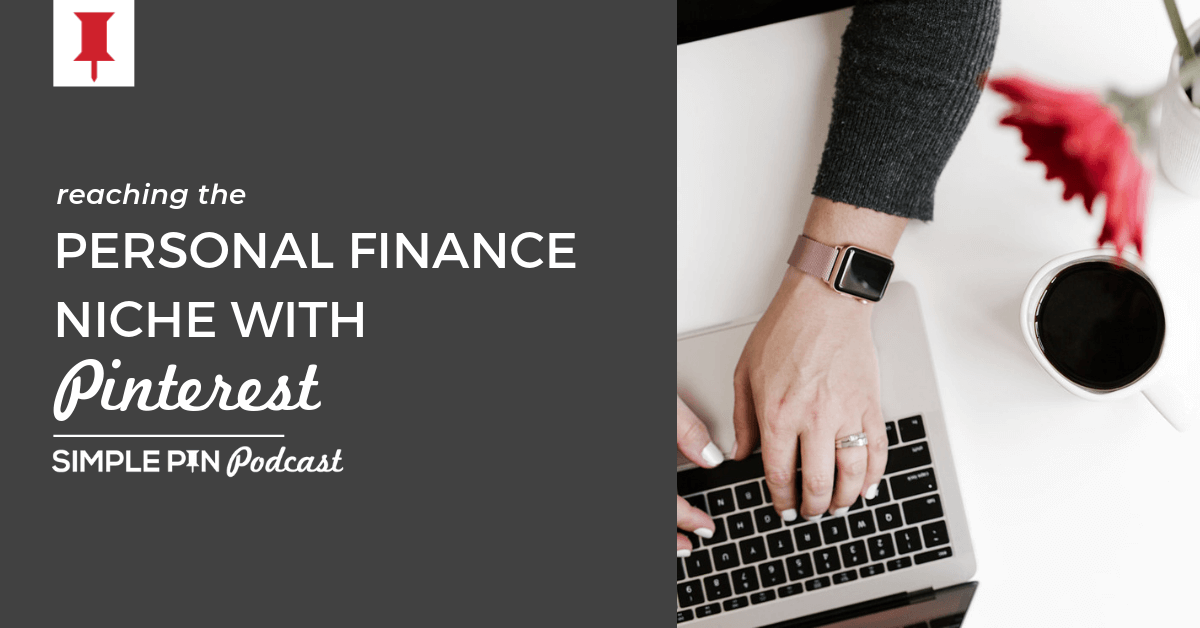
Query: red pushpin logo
95, 39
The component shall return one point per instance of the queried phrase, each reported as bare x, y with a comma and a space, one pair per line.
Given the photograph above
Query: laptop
903, 559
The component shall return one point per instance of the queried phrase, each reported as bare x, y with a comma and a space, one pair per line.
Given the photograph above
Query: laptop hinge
924, 595
858, 610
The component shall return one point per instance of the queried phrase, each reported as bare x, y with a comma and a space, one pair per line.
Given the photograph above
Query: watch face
864, 274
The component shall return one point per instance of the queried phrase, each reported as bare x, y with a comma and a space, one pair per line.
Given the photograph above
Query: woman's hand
809, 374
693, 441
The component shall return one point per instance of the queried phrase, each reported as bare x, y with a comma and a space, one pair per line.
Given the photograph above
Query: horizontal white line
168, 436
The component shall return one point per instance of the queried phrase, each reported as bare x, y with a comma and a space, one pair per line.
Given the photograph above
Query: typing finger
816, 472
877, 452
745, 422
683, 546
779, 466
851, 470
692, 519
692, 437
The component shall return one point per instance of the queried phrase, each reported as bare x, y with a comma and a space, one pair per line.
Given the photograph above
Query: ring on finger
853, 440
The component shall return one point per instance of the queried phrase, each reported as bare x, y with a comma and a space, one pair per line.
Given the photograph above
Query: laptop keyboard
755, 558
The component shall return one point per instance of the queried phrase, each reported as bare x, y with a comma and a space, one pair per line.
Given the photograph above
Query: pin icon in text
192, 462
95, 39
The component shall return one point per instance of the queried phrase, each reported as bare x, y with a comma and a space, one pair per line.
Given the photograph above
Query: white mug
1179, 408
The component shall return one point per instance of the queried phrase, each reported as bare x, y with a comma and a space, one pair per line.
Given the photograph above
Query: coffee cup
1096, 323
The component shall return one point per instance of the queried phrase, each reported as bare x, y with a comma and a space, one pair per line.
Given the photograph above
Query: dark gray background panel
505, 433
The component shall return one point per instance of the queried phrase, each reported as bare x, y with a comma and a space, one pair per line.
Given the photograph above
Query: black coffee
1101, 324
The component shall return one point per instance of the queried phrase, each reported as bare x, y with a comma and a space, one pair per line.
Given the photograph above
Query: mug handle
1179, 408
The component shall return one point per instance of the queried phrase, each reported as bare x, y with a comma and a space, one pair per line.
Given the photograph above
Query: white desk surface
1082, 513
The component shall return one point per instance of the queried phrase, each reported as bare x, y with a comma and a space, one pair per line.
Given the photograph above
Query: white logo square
100, 42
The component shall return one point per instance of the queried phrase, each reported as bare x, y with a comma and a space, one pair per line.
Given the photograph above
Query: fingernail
789, 514
872, 491
712, 454
683, 553
816, 517
704, 533
841, 512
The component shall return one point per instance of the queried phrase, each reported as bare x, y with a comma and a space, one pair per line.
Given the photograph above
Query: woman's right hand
691, 437
809, 377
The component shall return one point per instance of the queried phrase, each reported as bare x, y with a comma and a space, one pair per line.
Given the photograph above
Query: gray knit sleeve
907, 83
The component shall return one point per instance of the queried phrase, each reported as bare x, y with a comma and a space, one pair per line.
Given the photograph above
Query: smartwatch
850, 270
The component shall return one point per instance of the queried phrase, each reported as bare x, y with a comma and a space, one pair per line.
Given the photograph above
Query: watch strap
813, 258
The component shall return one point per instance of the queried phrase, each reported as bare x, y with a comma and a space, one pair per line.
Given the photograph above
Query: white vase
1179, 133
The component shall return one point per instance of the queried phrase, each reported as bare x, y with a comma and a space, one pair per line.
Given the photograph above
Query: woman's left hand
692, 439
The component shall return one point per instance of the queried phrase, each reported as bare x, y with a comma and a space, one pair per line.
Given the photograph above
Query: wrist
847, 248
799, 289
838, 224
